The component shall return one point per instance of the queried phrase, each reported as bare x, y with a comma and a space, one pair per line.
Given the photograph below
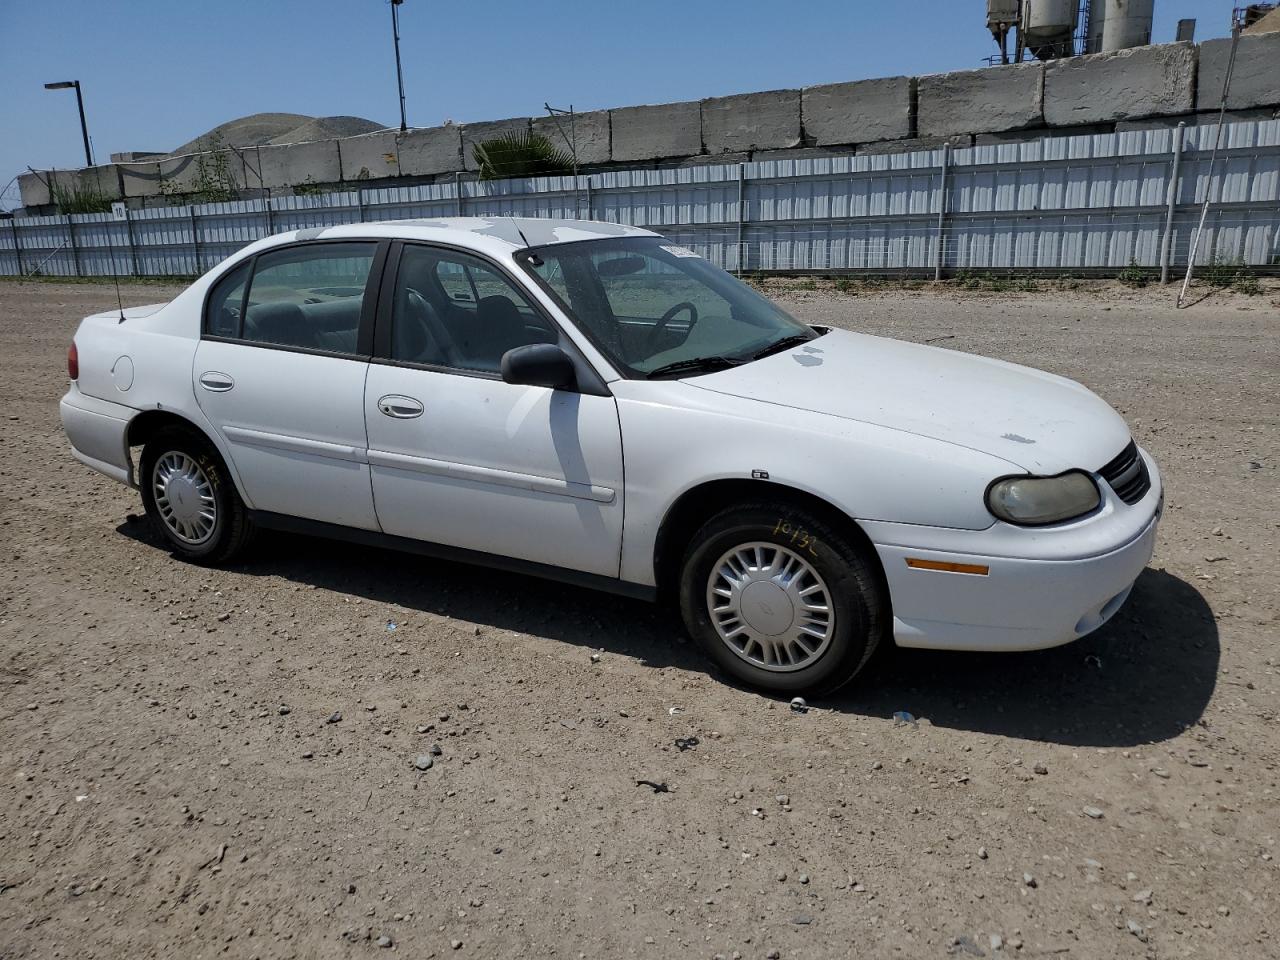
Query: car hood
1042, 423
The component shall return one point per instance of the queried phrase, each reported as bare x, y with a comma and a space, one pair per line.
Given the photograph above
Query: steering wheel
660, 327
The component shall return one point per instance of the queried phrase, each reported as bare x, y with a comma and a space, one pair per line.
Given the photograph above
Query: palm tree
520, 155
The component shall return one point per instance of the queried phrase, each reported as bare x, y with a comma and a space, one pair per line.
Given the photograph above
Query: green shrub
520, 155
1247, 284
1133, 275
79, 199
1231, 274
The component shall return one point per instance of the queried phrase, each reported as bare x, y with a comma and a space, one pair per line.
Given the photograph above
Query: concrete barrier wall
194, 172
34, 189
590, 131
141, 180
181, 174
296, 164
1255, 80
1007, 206
430, 151
373, 156
1138, 88
37, 189
656, 131
474, 133
1105, 87
751, 121
865, 111
981, 101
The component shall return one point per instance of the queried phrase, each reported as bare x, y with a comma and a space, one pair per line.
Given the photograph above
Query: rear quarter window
226, 301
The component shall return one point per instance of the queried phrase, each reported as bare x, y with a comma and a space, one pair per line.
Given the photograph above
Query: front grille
1128, 475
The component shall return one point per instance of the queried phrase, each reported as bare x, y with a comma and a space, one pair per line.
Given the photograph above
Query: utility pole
395, 36
84, 127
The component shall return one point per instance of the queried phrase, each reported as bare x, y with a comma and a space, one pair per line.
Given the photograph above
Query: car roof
529, 231
488, 234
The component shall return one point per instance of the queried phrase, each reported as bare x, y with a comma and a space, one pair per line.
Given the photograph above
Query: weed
1231, 274
307, 188
211, 181
995, 282
175, 280
1133, 275
78, 199
1247, 284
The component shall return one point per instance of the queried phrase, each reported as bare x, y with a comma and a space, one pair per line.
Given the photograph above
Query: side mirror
539, 365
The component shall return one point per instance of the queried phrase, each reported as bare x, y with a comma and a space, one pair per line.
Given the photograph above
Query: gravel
97, 621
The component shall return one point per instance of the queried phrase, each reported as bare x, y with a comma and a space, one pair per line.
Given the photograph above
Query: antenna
116, 280
116, 210
515, 224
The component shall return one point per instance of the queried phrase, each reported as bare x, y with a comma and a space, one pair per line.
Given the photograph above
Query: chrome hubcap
770, 607
184, 498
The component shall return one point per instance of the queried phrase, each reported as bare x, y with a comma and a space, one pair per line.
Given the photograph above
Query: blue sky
156, 74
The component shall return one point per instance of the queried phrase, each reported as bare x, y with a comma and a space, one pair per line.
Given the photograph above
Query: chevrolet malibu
593, 403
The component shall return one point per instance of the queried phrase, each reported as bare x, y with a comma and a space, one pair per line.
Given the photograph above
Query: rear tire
781, 599
190, 498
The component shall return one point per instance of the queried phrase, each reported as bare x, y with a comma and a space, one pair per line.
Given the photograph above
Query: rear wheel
781, 599
190, 499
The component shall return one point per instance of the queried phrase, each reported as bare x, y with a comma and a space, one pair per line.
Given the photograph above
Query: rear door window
310, 297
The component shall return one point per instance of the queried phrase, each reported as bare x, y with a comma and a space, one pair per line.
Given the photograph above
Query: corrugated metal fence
1061, 204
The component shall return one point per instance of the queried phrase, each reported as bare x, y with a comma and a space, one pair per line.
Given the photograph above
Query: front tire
190, 499
781, 599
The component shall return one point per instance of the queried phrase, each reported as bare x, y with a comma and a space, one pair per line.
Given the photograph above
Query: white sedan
593, 403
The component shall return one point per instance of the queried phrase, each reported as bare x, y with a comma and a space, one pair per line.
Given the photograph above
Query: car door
461, 458
280, 373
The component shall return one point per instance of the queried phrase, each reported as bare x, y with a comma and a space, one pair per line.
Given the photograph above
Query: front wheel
190, 499
782, 600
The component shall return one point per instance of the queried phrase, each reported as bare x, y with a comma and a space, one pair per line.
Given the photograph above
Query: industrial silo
1002, 13
1002, 17
1119, 24
1049, 26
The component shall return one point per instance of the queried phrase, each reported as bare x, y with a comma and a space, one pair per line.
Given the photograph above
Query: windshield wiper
786, 343
693, 365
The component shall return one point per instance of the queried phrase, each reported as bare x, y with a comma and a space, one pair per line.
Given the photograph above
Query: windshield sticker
679, 251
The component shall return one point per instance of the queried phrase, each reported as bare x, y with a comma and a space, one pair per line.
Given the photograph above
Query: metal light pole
395, 35
84, 128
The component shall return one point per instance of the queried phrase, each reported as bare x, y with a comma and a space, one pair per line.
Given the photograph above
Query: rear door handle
401, 408
217, 382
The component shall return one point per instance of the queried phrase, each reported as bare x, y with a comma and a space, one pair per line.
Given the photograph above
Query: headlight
1034, 501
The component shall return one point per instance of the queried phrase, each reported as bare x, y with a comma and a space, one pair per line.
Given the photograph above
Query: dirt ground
177, 783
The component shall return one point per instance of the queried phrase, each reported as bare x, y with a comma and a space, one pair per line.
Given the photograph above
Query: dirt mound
264, 128
327, 128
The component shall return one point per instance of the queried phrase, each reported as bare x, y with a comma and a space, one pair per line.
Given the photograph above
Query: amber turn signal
980, 570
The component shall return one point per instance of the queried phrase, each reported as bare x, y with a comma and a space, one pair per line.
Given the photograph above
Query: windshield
651, 305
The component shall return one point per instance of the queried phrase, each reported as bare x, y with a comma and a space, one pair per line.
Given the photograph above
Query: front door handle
402, 408
217, 382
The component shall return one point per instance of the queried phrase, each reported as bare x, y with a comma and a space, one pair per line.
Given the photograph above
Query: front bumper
1067, 588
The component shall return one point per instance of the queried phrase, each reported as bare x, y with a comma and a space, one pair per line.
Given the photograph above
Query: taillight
73, 362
